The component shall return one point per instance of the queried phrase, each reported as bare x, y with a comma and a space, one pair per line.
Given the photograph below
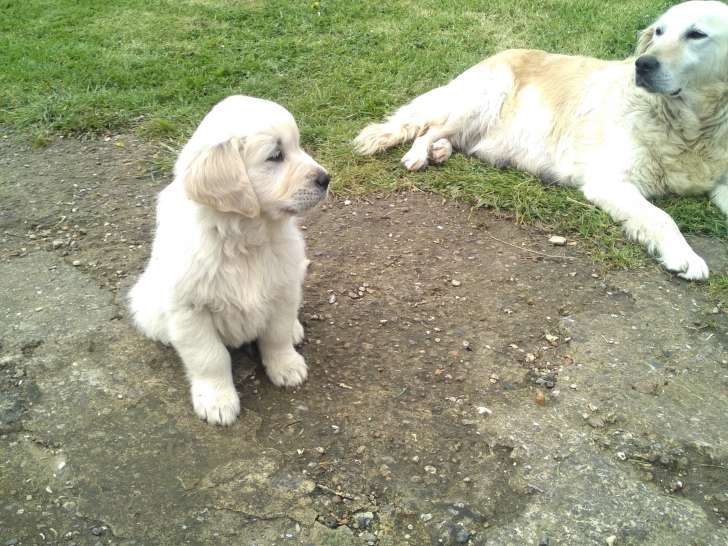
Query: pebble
557, 240
57, 243
610, 540
425, 517
332, 298
462, 536
540, 398
430, 469
76, 263
347, 202
455, 282
363, 519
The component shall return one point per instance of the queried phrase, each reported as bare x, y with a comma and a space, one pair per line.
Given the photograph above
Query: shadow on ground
464, 388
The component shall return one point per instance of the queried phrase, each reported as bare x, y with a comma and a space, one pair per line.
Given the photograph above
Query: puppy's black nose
646, 64
322, 180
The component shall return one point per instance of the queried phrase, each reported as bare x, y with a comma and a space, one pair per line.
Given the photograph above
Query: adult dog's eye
659, 31
696, 35
277, 156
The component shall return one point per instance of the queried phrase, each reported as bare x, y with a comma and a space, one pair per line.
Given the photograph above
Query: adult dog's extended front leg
284, 366
207, 363
719, 197
644, 222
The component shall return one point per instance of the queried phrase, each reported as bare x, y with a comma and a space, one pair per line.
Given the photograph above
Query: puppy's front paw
686, 264
215, 402
286, 369
414, 161
297, 332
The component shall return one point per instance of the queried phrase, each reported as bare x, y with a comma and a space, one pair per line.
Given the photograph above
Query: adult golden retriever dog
228, 259
621, 131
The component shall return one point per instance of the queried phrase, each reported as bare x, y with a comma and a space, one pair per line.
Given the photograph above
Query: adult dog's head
685, 50
245, 158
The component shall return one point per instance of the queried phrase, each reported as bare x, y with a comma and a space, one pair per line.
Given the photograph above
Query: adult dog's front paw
215, 402
686, 264
286, 369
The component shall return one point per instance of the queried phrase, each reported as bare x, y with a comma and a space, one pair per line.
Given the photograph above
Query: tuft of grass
40, 138
159, 129
157, 67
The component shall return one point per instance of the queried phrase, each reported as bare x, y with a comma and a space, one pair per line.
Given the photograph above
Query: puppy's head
246, 158
685, 50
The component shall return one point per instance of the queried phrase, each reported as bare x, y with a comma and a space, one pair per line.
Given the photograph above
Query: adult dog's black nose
322, 180
646, 64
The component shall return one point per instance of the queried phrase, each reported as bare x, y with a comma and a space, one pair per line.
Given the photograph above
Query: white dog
621, 131
228, 260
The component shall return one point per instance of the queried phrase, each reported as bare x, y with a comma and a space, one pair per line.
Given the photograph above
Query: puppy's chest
245, 286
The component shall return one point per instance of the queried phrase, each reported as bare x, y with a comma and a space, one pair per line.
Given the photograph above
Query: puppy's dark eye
659, 31
277, 156
696, 35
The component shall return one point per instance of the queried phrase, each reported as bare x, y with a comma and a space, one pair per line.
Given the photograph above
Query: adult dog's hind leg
423, 148
644, 222
440, 151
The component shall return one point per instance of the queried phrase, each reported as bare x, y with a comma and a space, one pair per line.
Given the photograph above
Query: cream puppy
621, 131
228, 259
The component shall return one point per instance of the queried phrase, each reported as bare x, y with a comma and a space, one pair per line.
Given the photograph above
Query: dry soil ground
464, 389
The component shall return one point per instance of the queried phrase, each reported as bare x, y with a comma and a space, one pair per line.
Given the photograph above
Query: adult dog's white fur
621, 131
228, 260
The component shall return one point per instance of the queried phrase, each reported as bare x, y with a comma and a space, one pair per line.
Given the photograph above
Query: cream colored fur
587, 123
228, 260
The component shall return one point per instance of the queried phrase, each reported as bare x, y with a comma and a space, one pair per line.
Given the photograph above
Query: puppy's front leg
207, 363
644, 222
284, 366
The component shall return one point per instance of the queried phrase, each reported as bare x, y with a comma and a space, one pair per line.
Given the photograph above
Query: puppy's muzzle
322, 180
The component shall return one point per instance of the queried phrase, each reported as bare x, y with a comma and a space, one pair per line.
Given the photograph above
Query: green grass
83, 66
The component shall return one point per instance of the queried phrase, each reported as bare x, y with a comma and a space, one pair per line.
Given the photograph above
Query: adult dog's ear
216, 177
644, 40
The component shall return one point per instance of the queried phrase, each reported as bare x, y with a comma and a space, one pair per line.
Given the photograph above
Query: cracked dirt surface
532, 401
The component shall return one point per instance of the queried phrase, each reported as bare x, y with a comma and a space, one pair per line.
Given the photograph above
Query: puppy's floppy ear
644, 40
216, 177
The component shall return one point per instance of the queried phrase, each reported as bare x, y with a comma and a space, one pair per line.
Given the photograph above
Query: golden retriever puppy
228, 259
621, 131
